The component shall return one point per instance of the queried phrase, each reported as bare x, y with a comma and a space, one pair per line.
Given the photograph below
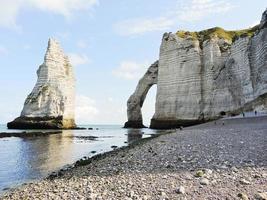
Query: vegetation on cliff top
204, 35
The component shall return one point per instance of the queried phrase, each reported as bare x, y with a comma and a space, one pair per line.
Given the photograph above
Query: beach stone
243, 196
208, 171
180, 190
204, 181
199, 173
244, 182
261, 196
163, 196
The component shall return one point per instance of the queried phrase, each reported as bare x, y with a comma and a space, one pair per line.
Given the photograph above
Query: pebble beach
225, 159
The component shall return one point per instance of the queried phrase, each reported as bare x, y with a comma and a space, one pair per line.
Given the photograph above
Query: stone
243, 196
180, 190
234, 169
199, 173
204, 181
50, 105
261, 196
244, 182
136, 100
208, 171
206, 75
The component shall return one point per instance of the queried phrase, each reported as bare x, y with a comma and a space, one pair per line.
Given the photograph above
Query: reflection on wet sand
134, 135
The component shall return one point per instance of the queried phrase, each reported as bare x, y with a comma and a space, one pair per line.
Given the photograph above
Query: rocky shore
225, 159
28, 134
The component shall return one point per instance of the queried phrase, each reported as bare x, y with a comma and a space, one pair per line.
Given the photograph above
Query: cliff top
207, 34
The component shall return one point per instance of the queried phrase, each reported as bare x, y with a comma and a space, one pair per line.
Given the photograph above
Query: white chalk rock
136, 100
52, 100
208, 74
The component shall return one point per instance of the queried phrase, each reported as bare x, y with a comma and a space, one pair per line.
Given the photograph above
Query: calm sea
26, 159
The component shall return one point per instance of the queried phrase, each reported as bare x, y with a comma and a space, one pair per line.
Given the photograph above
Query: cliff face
51, 102
204, 75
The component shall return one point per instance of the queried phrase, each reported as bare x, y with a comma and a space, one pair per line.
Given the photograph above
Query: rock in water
50, 105
208, 74
136, 100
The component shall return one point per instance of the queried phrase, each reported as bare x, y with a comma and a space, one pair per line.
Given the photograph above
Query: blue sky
111, 43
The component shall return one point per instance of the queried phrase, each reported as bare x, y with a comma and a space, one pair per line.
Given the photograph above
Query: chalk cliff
136, 100
50, 105
205, 75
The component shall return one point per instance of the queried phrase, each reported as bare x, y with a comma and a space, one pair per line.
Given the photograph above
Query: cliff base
41, 123
134, 124
172, 124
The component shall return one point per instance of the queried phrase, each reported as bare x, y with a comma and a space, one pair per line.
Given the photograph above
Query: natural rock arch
136, 100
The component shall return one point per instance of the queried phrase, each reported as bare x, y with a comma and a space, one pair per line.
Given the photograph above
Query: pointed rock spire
51, 102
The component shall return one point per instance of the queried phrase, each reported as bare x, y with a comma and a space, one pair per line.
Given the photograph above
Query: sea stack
208, 74
51, 103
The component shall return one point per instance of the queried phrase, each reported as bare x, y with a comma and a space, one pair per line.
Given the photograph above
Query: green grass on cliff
204, 35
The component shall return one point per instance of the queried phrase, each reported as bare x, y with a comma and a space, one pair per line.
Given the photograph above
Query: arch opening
137, 99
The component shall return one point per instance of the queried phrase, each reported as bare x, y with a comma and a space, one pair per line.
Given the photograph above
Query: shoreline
28, 134
80, 162
174, 157
87, 160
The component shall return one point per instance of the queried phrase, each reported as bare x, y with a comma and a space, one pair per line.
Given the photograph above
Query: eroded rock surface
136, 100
201, 80
205, 75
51, 102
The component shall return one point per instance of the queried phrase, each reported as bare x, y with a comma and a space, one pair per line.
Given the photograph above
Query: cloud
196, 10
141, 26
78, 59
130, 70
185, 12
85, 109
8, 13
62, 7
10, 9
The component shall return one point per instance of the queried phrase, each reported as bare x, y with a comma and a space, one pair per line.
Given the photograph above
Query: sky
110, 43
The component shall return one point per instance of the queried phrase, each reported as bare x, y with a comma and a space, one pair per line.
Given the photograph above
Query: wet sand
222, 160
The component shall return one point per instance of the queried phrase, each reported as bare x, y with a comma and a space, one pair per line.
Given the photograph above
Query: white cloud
8, 12
63, 7
78, 59
196, 10
86, 109
130, 70
10, 9
141, 26
187, 11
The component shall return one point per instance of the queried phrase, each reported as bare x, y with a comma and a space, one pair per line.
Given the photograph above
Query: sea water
30, 158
